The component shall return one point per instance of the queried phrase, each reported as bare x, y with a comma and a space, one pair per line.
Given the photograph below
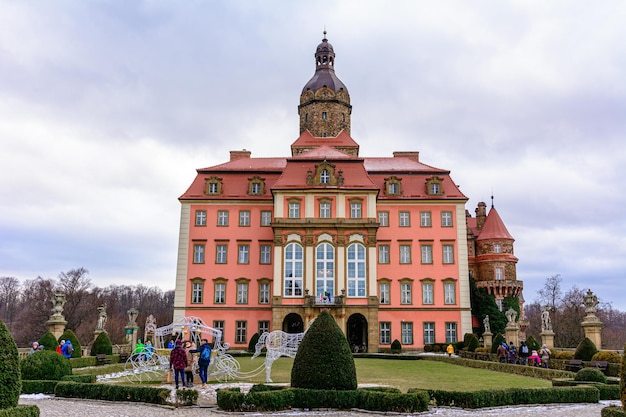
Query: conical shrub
10, 382
324, 360
102, 345
585, 350
48, 341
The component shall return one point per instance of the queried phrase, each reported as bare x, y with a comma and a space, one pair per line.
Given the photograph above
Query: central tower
324, 108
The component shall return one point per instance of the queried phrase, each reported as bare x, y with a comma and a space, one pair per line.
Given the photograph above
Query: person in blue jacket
204, 360
67, 349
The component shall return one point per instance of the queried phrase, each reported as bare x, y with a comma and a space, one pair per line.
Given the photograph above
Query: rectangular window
427, 293
405, 293
448, 254
200, 217
383, 254
255, 188
221, 252
240, 332
222, 218
219, 325
384, 293
198, 254
427, 254
266, 218
407, 333
383, 218
497, 248
385, 333
220, 293
405, 254
449, 293
242, 293
266, 254
355, 210
324, 210
264, 293
446, 219
429, 333
425, 219
244, 218
196, 292
244, 254
451, 335
405, 219
499, 273
213, 188
264, 326
294, 210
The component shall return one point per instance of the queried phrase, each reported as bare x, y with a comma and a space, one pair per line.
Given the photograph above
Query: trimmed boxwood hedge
612, 411
21, 411
111, 392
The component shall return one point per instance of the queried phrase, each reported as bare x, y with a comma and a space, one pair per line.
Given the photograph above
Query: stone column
591, 323
56, 323
547, 338
512, 327
488, 339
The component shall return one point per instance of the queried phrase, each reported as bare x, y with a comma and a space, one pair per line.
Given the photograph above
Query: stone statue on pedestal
102, 317
546, 321
590, 301
486, 324
511, 315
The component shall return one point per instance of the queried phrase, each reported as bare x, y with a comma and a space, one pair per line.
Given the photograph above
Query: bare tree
34, 310
75, 284
550, 294
567, 319
9, 293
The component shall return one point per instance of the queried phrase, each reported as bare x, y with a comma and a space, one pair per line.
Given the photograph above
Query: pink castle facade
381, 243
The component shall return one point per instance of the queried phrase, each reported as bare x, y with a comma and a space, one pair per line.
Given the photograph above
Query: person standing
60, 347
189, 346
502, 353
450, 349
523, 353
67, 349
545, 355
178, 362
34, 348
204, 360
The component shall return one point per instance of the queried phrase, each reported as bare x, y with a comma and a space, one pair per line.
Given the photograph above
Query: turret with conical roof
325, 103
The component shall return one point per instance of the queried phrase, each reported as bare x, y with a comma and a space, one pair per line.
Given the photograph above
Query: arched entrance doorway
357, 333
293, 323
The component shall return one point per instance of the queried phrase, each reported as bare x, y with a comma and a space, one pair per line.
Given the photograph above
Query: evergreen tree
484, 304
102, 345
324, 360
10, 381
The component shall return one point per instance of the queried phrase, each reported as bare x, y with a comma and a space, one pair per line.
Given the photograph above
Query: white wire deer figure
277, 343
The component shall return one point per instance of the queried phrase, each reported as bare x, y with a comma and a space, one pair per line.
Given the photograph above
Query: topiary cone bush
45, 365
48, 341
10, 382
585, 350
68, 334
532, 344
102, 345
324, 360
470, 342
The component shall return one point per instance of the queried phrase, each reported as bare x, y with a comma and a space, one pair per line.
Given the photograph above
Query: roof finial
491, 198
325, 32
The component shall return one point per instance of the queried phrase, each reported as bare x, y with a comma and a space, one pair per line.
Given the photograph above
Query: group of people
64, 348
183, 362
525, 356
143, 351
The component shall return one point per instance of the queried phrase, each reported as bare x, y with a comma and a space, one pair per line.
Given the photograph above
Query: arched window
325, 273
293, 270
356, 270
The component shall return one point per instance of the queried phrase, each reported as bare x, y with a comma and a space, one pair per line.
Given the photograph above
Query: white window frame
429, 332
244, 218
384, 333
221, 254
222, 217
427, 254
425, 219
499, 273
294, 266
324, 176
384, 293
446, 219
200, 217
324, 272
266, 218
197, 290
451, 332
428, 293
242, 293
264, 293
383, 218
294, 210
241, 330
356, 264
198, 253
404, 219
220, 293
448, 254
405, 293
383, 254
265, 254
407, 333
356, 210
243, 254
325, 210
405, 254
449, 293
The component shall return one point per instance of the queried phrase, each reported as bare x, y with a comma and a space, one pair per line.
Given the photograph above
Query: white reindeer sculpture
277, 343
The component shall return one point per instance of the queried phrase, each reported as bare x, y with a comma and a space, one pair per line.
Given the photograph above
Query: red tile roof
494, 227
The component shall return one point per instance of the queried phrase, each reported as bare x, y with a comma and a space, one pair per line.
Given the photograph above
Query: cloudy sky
108, 107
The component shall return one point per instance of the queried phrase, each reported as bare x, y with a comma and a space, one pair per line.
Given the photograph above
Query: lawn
402, 374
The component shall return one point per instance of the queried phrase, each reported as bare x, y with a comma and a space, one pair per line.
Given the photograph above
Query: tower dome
324, 102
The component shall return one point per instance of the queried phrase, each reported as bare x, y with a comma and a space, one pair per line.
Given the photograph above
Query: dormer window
213, 186
256, 186
393, 186
433, 186
324, 176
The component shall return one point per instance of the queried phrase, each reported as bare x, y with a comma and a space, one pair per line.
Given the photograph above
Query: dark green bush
612, 411
21, 411
607, 355
48, 341
585, 350
324, 359
38, 386
102, 345
45, 365
110, 392
253, 341
68, 334
471, 342
186, 397
10, 383
396, 346
590, 374
533, 344
497, 340
85, 379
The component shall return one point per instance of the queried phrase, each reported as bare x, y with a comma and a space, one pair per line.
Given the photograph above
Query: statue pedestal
131, 336
593, 330
56, 325
512, 334
488, 339
547, 338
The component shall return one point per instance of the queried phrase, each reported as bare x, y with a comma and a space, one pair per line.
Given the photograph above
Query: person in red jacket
178, 362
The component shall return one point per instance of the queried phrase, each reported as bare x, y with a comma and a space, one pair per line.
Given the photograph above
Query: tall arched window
356, 270
293, 270
325, 272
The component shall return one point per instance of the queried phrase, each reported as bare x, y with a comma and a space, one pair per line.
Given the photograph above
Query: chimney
234, 155
412, 155
481, 215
